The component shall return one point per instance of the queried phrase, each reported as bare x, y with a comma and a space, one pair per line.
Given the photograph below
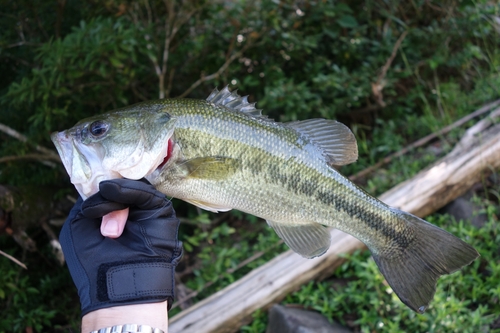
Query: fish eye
98, 128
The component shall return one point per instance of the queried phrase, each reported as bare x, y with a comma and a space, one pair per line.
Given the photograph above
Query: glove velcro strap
134, 281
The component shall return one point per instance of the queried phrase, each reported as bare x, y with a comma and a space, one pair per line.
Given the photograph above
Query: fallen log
421, 195
448, 178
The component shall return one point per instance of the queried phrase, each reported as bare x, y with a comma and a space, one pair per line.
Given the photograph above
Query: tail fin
413, 274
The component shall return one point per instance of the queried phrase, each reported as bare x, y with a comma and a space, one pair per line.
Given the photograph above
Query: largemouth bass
222, 153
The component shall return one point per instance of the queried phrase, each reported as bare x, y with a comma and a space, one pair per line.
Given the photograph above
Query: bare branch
156, 66
170, 82
172, 26
242, 264
389, 61
137, 93
15, 134
21, 44
38, 157
213, 75
226, 64
378, 86
54, 242
424, 140
8, 256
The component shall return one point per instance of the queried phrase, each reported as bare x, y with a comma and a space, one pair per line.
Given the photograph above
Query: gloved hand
137, 267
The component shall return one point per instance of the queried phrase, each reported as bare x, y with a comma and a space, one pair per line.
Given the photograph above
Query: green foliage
61, 63
216, 252
258, 324
99, 56
21, 294
30, 298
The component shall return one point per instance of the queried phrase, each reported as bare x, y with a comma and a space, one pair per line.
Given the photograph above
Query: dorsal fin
233, 101
335, 139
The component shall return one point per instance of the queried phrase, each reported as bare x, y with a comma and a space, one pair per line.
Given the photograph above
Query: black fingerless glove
138, 267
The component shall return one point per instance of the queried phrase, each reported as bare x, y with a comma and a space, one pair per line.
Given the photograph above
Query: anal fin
309, 240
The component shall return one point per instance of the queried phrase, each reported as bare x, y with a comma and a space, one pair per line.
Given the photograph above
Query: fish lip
63, 146
63, 141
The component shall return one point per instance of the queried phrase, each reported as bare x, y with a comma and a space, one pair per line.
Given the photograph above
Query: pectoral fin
309, 240
215, 168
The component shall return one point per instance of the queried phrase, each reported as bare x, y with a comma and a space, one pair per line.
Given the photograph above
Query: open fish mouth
86, 170
78, 167
64, 148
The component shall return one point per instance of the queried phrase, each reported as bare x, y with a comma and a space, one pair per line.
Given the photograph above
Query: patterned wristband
129, 328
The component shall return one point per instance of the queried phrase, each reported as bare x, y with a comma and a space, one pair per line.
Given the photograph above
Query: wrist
151, 314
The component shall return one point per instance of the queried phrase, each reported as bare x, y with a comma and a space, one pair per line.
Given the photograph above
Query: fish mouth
84, 174
86, 170
62, 144
87, 164
76, 164
65, 148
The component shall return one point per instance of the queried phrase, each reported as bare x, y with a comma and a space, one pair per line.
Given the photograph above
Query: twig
8, 256
424, 140
15, 134
21, 43
436, 8
250, 43
181, 292
253, 258
171, 29
213, 75
228, 271
389, 61
170, 82
38, 157
367, 109
378, 86
54, 242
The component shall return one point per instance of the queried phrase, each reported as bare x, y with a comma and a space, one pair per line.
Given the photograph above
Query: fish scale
223, 154
355, 212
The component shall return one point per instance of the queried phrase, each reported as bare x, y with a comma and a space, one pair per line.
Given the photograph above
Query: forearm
152, 314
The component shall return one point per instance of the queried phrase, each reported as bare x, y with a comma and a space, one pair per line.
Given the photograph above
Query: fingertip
113, 223
110, 229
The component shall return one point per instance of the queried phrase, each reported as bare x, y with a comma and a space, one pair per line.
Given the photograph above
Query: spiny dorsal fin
235, 102
336, 140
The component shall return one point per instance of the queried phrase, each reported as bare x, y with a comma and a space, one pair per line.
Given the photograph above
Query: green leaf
32, 290
347, 21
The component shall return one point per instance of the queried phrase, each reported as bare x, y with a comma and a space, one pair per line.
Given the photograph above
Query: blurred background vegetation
394, 71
